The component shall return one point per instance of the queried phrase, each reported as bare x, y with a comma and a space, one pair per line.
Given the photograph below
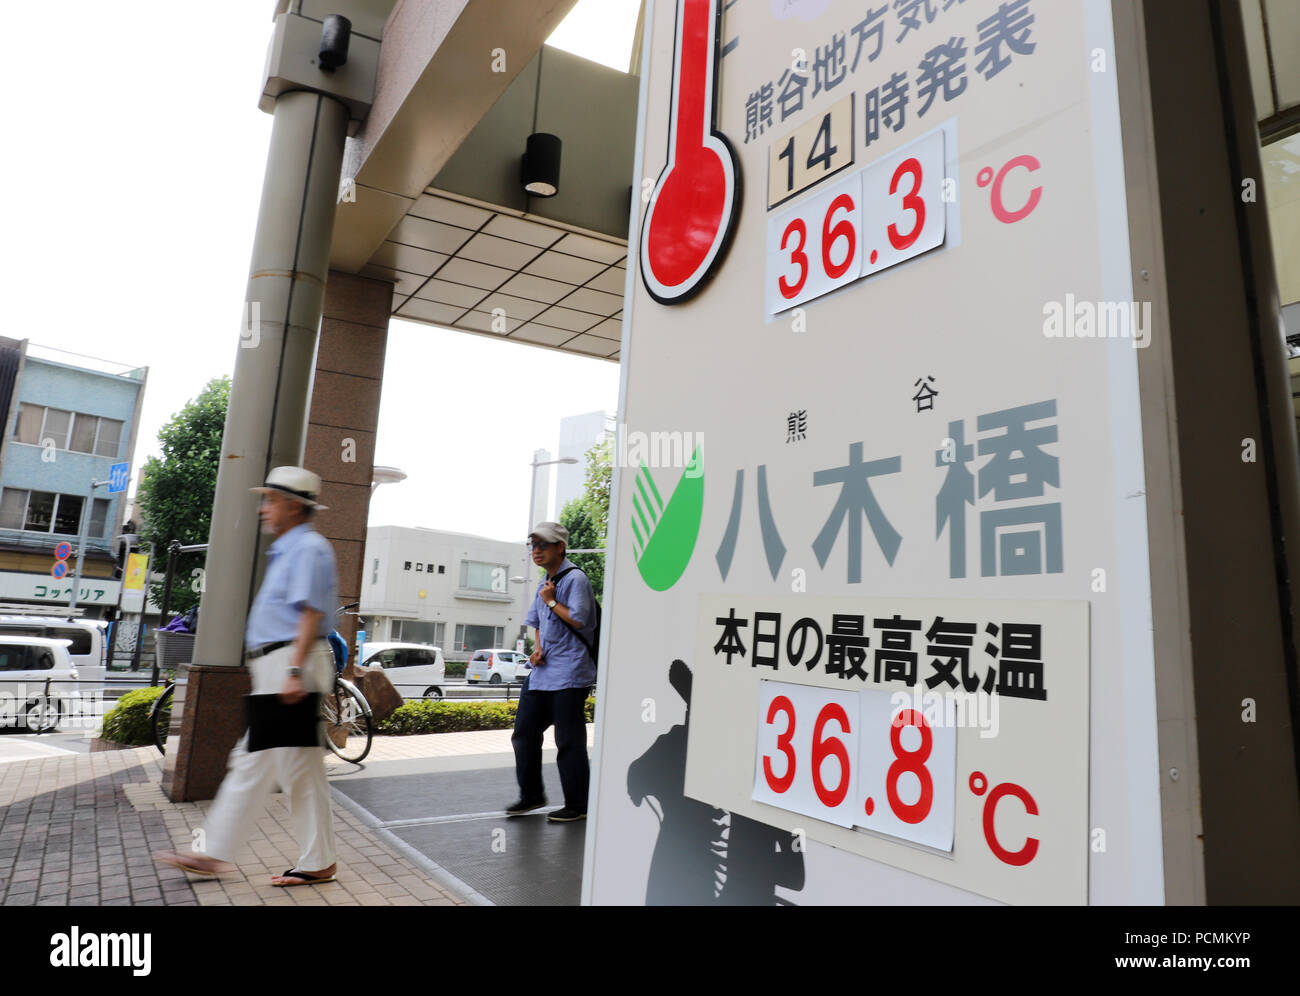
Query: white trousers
252, 777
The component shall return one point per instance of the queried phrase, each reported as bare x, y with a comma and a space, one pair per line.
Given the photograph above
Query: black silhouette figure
705, 856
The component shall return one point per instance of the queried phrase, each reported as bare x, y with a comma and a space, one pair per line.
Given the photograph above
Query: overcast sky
130, 185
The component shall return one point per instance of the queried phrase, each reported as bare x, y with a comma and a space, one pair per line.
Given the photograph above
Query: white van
37, 682
86, 645
415, 669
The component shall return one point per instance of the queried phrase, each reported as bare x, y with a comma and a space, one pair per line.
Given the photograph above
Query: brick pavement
79, 830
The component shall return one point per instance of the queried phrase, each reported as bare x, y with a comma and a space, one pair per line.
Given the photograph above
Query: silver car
497, 666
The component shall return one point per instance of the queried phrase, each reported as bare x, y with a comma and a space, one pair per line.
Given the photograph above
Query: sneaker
524, 806
566, 815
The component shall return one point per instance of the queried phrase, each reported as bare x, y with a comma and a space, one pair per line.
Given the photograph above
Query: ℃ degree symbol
986, 176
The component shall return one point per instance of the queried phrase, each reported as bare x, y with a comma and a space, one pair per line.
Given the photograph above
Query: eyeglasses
539, 544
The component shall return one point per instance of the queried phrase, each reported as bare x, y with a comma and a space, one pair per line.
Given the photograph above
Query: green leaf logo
664, 535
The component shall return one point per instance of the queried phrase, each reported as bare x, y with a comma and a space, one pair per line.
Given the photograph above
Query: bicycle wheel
43, 714
160, 718
344, 712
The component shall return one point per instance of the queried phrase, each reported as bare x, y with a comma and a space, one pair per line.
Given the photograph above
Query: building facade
449, 590
69, 419
578, 434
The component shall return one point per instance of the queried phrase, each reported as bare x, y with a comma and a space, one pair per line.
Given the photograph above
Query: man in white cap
563, 614
288, 656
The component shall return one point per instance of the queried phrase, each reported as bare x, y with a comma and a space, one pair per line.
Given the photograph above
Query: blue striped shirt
566, 663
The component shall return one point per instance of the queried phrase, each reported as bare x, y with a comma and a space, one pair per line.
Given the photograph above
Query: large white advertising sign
878, 624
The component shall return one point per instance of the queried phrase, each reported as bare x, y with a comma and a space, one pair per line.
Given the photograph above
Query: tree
587, 517
177, 492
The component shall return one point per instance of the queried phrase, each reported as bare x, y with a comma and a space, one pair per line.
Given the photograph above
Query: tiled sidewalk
79, 830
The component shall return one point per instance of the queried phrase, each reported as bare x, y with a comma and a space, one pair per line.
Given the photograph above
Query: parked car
497, 666
415, 669
86, 638
27, 663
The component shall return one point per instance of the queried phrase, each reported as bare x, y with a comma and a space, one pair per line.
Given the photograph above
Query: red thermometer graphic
694, 205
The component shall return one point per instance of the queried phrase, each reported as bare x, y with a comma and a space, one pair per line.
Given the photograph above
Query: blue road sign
117, 477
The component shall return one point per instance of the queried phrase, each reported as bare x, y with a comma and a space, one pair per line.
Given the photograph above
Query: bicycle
347, 717
344, 711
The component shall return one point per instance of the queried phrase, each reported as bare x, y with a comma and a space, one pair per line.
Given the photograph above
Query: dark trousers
564, 710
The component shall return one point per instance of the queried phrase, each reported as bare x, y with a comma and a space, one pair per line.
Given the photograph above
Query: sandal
307, 879
186, 863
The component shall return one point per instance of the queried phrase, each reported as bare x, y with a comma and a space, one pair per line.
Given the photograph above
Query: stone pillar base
195, 765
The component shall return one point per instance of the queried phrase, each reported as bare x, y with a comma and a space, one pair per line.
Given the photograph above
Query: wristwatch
295, 672
551, 604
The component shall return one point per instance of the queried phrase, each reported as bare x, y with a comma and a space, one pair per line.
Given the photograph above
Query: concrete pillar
341, 423
1225, 599
266, 421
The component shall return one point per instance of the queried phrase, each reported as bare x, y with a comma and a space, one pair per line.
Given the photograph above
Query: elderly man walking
555, 692
289, 658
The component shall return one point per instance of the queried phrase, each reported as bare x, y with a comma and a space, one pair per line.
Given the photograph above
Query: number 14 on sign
853, 759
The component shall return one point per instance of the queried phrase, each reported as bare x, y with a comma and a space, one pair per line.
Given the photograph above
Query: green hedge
456, 669
429, 716
128, 721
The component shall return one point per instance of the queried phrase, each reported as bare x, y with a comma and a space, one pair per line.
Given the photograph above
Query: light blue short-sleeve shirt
299, 575
567, 662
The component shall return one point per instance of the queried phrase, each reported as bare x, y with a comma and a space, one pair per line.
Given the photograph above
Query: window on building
83, 433
13, 508
40, 511
44, 512
69, 430
442, 568
108, 441
57, 424
67, 514
411, 631
478, 576
28, 429
374, 572
470, 637
99, 516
